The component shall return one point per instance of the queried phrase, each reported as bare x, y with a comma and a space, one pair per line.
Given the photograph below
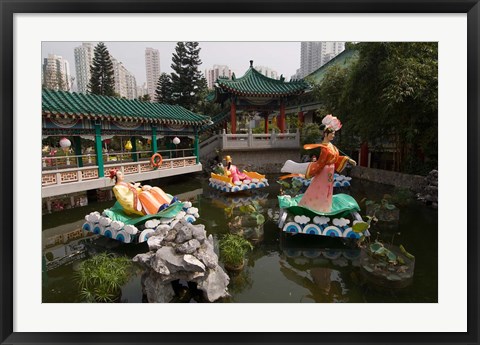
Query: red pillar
233, 117
364, 155
281, 125
266, 124
301, 118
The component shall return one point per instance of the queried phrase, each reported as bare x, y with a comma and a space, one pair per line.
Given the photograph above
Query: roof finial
251, 63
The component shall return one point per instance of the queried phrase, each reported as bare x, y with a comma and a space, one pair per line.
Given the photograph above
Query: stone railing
260, 141
77, 174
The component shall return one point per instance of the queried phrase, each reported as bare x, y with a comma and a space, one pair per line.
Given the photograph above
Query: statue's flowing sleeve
340, 163
315, 167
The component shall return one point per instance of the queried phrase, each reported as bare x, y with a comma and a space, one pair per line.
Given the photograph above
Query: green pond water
281, 268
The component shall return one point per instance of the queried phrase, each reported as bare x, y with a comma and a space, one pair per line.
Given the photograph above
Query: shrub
233, 249
101, 277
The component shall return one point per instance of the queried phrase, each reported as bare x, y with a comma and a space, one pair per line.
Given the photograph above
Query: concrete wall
264, 161
413, 182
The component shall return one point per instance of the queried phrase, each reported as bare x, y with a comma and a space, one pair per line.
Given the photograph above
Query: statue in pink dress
318, 196
233, 172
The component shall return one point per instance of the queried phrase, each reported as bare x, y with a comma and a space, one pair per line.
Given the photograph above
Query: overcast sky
283, 57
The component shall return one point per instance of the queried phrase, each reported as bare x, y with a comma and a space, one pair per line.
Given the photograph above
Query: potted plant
233, 249
101, 277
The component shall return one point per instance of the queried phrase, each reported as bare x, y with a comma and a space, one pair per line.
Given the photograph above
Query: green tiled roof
255, 84
91, 106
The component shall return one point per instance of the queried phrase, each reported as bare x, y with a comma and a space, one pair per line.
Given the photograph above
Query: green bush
101, 277
233, 249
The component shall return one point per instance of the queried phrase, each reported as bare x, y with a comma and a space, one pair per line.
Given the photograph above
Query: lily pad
374, 247
360, 227
260, 219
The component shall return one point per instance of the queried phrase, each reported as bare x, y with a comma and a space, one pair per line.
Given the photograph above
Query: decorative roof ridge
92, 105
252, 71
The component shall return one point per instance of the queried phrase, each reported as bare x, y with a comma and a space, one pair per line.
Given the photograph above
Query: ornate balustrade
260, 141
80, 174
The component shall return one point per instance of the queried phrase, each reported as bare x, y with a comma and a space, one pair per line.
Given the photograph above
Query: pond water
281, 268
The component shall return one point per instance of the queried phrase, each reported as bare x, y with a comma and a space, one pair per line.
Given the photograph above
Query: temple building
254, 92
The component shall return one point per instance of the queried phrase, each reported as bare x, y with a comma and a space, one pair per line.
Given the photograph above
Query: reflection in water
298, 268
245, 212
317, 267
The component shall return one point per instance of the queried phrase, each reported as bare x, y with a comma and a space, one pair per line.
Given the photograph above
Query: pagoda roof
255, 84
90, 106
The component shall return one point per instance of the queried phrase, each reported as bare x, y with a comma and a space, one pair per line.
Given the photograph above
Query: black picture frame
10, 7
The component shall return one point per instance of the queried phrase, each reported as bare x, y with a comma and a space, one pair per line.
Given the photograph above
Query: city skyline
283, 57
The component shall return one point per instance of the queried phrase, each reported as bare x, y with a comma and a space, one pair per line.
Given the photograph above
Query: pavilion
259, 93
87, 116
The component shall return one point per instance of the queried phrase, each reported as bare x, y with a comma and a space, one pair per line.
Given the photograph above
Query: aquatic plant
233, 249
254, 210
383, 204
101, 277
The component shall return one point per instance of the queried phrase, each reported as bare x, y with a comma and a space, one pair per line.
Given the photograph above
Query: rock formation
181, 253
429, 193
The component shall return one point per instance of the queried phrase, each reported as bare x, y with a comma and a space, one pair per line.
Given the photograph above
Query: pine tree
163, 93
187, 80
102, 80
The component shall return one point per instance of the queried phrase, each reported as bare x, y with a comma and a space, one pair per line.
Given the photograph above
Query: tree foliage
188, 84
163, 92
102, 80
390, 95
144, 98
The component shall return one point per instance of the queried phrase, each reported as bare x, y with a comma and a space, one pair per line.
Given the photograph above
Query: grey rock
214, 285
188, 247
155, 242
179, 224
144, 259
158, 263
170, 236
162, 230
198, 232
183, 234
157, 291
193, 264
172, 261
207, 255
210, 239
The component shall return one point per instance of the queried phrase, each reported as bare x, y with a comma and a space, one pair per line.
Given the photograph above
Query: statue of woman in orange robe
318, 196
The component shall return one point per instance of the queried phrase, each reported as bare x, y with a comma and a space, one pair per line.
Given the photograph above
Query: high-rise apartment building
56, 73
214, 73
314, 55
142, 90
83, 61
152, 66
125, 83
267, 71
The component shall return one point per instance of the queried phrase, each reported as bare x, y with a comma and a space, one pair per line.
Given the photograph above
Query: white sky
283, 57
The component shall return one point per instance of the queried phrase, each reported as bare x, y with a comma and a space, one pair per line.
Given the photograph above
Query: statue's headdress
331, 122
113, 173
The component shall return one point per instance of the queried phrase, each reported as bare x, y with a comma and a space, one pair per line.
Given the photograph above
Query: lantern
128, 145
65, 144
176, 141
